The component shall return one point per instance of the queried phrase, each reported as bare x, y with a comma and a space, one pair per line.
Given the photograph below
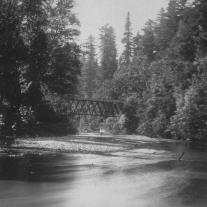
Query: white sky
93, 14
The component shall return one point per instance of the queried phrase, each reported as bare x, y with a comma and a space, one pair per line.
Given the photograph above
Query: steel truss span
104, 108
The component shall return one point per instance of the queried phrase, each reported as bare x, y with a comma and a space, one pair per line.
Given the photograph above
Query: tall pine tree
108, 53
127, 41
90, 69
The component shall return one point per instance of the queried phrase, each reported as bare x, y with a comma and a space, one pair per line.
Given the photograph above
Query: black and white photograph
103, 103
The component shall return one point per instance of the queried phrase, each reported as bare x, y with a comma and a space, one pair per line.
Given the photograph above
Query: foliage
161, 76
148, 41
115, 124
191, 116
89, 69
127, 41
62, 75
164, 84
33, 36
108, 53
132, 119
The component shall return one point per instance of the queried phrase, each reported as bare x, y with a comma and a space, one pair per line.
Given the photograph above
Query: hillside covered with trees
161, 74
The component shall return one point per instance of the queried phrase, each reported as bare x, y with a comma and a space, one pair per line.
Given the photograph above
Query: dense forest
39, 65
160, 75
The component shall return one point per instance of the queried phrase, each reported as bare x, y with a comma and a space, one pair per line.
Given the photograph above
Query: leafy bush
115, 124
190, 121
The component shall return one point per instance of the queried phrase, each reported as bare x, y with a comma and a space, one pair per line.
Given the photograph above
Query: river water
90, 170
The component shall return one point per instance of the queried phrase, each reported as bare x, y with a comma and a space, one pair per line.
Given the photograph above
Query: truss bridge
105, 108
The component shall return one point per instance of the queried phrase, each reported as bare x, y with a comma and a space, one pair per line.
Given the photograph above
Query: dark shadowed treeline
39, 63
161, 74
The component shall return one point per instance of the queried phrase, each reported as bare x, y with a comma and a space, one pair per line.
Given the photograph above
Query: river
91, 170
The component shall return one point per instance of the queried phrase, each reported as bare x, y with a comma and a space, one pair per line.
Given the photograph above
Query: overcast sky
95, 13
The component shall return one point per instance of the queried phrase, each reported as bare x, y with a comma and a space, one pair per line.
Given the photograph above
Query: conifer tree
108, 52
168, 23
127, 41
201, 6
90, 68
148, 41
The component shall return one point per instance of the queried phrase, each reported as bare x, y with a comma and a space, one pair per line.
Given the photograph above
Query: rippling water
103, 171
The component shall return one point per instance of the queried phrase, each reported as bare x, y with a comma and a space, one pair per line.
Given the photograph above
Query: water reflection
35, 167
145, 173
